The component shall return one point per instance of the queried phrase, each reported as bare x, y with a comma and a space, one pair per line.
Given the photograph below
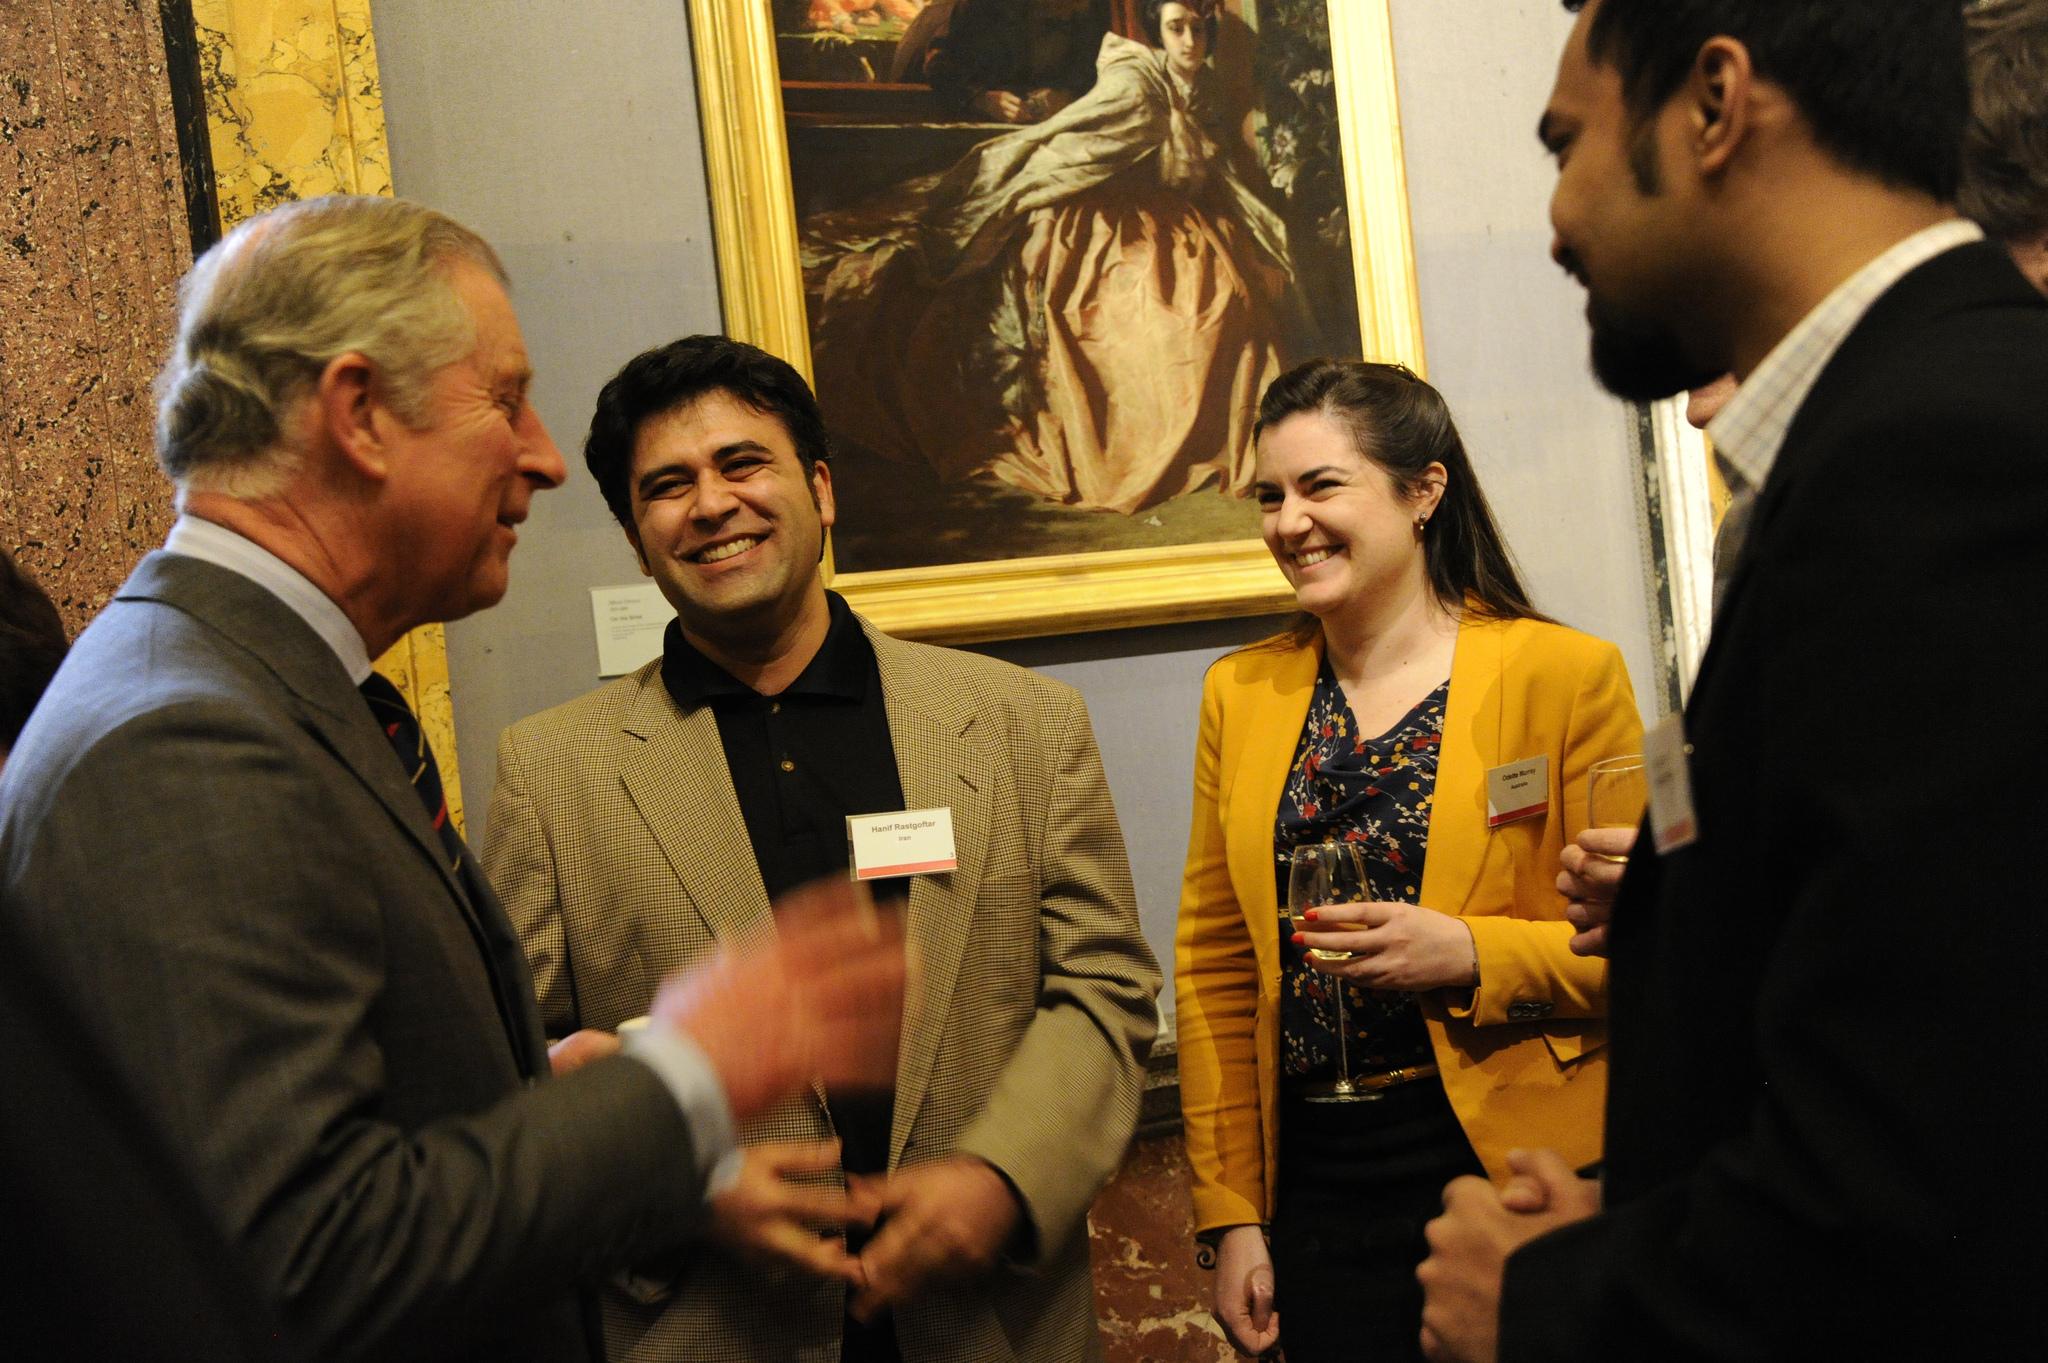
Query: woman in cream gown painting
1086, 308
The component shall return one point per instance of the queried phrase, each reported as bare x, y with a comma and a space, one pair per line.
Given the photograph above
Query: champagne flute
1617, 791
1319, 874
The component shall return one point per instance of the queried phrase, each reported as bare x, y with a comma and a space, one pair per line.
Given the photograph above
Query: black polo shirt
801, 762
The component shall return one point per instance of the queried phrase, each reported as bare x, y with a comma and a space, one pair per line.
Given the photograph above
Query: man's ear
821, 493
1721, 93
639, 554
349, 413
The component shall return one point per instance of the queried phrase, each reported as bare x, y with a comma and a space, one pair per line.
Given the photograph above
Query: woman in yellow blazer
1419, 668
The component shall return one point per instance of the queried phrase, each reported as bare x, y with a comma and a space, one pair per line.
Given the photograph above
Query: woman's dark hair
1880, 82
1211, 15
660, 380
1401, 424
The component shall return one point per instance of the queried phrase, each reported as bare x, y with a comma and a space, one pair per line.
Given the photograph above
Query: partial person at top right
1822, 977
2004, 190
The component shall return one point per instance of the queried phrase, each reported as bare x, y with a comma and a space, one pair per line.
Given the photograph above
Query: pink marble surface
92, 243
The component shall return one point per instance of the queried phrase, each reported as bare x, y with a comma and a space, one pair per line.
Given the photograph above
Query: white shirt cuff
683, 1068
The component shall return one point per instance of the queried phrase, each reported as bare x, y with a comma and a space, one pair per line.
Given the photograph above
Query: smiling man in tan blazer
651, 821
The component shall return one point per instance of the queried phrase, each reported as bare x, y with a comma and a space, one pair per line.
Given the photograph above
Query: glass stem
1343, 1041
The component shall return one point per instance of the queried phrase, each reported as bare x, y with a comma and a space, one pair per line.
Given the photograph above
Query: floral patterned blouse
1376, 793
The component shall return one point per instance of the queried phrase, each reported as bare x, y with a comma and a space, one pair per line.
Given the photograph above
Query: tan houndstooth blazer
616, 841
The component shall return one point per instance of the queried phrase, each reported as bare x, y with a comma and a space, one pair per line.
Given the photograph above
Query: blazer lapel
352, 733
1458, 842
273, 634
1255, 759
674, 772
941, 763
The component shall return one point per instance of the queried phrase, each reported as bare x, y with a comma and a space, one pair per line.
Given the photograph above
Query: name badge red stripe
908, 868
1513, 814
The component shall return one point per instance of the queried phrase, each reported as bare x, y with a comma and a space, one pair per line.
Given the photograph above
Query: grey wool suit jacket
209, 839
617, 840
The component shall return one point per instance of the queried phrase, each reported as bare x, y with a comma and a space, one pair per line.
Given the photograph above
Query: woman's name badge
908, 842
1517, 790
1665, 762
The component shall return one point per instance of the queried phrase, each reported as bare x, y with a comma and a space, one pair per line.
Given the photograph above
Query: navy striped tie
409, 741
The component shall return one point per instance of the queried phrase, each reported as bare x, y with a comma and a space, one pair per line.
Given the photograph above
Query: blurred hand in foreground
820, 1000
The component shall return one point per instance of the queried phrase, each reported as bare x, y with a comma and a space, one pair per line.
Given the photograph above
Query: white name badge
1666, 757
908, 842
1517, 790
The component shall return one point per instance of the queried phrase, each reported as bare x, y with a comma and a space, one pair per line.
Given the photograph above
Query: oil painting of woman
1085, 308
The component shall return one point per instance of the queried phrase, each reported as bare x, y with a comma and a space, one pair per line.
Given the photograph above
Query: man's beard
1639, 360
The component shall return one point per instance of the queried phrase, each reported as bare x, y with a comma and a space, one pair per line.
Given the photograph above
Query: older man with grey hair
239, 864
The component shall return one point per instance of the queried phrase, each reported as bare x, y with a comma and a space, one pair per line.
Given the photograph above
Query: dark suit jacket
216, 850
1828, 1012
108, 1251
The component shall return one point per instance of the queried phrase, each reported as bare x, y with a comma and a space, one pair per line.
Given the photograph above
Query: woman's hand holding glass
1392, 945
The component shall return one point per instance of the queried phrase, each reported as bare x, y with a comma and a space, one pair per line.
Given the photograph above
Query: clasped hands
1470, 1243
1393, 945
822, 999
947, 1219
1461, 1280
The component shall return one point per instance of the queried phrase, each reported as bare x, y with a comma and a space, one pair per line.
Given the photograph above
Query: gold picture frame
760, 284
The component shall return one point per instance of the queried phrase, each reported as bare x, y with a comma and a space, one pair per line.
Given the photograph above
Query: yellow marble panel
292, 101
294, 110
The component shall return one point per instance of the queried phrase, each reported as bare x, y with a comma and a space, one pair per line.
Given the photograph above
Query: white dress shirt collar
208, 542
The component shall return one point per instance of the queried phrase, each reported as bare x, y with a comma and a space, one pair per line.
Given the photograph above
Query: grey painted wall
567, 133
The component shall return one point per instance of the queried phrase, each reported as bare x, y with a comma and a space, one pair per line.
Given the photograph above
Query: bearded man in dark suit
1811, 1149
237, 864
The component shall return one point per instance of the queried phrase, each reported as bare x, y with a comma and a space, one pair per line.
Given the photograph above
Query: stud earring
1420, 523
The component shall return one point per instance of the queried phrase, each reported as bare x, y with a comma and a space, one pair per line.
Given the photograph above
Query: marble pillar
93, 240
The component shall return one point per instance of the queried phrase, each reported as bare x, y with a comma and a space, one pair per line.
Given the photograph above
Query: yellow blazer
1520, 1055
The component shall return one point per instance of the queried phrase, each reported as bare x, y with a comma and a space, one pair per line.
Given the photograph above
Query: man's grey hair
264, 312
2005, 146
